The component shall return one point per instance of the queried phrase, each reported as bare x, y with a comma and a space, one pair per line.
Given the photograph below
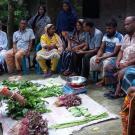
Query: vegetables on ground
79, 122
33, 93
31, 124
78, 111
68, 100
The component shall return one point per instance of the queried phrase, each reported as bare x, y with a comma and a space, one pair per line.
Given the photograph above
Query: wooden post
10, 22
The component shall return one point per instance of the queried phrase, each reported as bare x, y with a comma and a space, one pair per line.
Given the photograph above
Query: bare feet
66, 73
118, 90
73, 74
100, 84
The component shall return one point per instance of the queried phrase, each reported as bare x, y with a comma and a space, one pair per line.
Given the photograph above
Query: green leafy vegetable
33, 94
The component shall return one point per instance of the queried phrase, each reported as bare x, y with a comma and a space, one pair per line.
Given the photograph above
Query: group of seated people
79, 50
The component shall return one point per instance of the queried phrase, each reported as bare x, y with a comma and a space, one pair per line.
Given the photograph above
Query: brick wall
118, 9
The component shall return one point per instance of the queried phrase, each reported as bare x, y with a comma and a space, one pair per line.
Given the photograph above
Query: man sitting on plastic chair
22, 43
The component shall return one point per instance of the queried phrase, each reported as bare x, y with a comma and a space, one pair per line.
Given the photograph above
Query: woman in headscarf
76, 40
51, 50
66, 18
39, 21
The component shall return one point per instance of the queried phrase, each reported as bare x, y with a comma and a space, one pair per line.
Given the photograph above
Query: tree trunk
10, 22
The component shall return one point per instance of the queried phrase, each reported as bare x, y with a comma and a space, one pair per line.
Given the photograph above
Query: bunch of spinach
33, 94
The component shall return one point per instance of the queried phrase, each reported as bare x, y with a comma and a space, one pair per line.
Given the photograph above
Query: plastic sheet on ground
60, 114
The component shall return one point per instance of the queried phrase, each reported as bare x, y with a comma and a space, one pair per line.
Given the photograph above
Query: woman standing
66, 18
51, 50
76, 40
38, 22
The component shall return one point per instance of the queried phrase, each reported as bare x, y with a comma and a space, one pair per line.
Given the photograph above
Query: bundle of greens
33, 93
33, 102
18, 84
51, 91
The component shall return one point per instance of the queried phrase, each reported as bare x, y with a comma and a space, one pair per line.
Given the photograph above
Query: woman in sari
51, 50
77, 39
128, 113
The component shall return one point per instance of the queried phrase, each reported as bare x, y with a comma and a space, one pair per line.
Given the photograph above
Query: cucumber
79, 111
78, 114
82, 108
71, 109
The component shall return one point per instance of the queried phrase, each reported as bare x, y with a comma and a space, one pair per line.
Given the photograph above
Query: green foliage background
20, 12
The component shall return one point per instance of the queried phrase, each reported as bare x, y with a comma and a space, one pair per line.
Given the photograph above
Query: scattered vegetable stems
79, 122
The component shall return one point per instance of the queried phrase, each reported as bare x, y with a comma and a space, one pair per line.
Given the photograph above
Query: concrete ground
112, 127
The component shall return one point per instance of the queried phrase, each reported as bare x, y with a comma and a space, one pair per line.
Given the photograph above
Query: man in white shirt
22, 43
3, 45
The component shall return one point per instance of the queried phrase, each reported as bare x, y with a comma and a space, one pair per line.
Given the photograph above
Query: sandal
108, 93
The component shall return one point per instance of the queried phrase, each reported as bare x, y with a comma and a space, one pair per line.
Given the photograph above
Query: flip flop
113, 96
108, 93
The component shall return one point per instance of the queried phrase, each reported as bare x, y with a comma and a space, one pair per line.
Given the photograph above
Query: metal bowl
76, 81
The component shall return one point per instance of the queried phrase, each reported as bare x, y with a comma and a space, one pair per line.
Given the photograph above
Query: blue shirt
111, 43
94, 40
22, 38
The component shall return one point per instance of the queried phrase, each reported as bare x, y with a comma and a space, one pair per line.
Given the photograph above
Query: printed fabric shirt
128, 48
111, 43
40, 24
